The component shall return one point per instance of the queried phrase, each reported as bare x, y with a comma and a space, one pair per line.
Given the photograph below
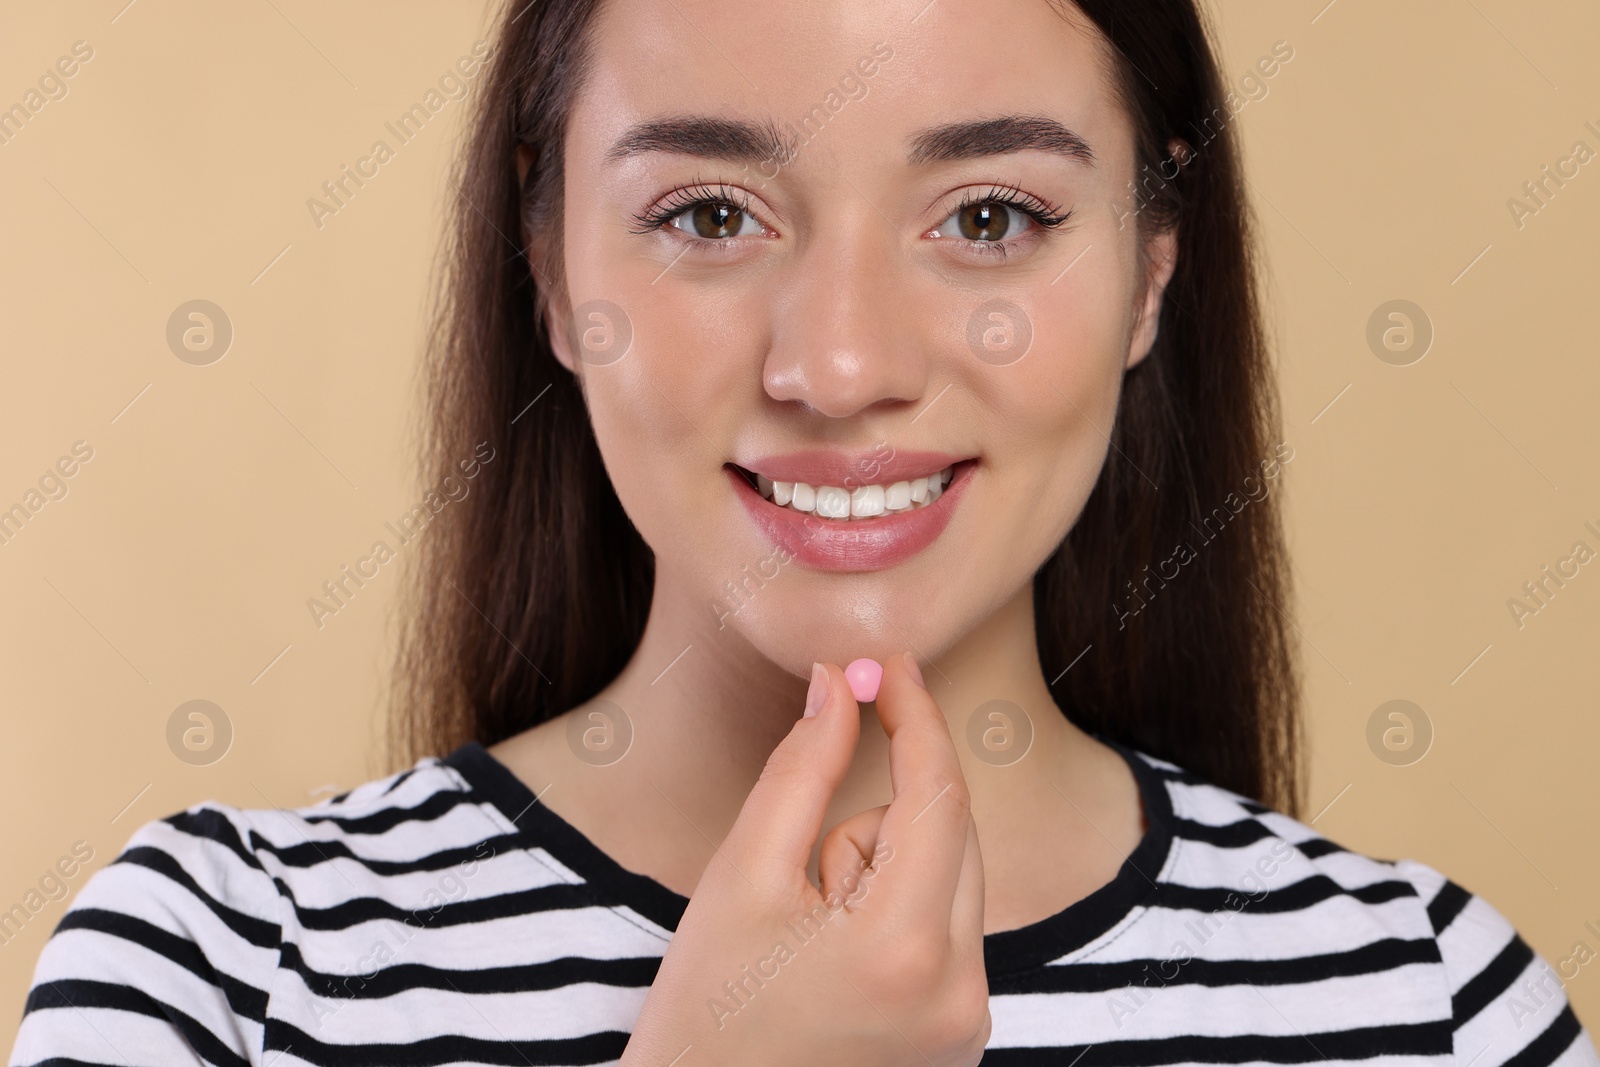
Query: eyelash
685, 197
1047, 215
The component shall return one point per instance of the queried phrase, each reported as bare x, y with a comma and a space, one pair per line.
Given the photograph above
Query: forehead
782, 60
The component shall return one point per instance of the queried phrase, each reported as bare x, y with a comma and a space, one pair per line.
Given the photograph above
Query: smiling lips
862, 502
821, 507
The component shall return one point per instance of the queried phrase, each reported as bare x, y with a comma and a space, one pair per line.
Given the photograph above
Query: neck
707, 708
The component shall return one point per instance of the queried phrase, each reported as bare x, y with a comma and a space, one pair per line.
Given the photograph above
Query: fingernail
913, 669
817, 695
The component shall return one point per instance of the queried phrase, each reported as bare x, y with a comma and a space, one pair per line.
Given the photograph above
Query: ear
557, 316
1162, 253
558, 325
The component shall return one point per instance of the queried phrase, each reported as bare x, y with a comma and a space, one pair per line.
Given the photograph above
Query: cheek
663, 410
1059, 406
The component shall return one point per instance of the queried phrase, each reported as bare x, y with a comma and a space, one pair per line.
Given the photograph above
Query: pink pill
864, 676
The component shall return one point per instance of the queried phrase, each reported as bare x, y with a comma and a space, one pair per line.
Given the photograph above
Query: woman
780, 337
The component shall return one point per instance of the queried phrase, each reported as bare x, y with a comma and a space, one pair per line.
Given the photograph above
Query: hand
882, 965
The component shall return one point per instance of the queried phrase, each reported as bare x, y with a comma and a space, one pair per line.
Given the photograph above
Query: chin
832, 623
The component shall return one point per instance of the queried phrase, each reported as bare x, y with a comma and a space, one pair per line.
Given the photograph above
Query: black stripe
1248, 832
244, 999
1295, 897
212, 825
559, 897
1416, 1039
69, 993
1555, 1040
493, 781
1317, 847
450, 1048
310, 853
1228, 835
1489, 983
1180, 775
381, 981
1445, 906
67, 1061
258, 932
1376, 957
399, 780
386, 819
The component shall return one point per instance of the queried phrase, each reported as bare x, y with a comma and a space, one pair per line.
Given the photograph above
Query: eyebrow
738, 141
733, 140
997, 136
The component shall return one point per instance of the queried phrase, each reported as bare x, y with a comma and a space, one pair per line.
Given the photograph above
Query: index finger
927, 821
772, 838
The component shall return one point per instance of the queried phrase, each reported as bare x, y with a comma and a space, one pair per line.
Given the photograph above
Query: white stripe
474, 879
461, 827
1205, 804
106, 1035
1403, 995
592, 933
1471, 943
141, 893
1427, 880
1516, 1018
543, 1015
1337, 924
151, 973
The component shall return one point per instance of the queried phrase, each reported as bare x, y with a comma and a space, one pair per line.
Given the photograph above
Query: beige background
177, 567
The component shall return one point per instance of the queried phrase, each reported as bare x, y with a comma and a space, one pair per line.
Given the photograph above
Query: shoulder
174, 945
1313, 897
252, 857
1505, 997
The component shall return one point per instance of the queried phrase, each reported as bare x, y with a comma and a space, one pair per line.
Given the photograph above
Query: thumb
771, 840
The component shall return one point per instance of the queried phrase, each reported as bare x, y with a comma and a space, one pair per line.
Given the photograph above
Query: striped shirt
441, 915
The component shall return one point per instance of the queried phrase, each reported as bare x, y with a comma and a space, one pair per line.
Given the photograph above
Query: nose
845, 336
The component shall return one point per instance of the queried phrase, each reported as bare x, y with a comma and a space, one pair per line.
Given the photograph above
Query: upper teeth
861, 502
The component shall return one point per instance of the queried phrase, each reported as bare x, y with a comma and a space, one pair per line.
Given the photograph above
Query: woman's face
853, 250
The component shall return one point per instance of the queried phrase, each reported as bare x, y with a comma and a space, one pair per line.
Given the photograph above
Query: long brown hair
1166, 600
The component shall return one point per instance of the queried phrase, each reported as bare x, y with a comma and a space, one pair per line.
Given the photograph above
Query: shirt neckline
1004, 951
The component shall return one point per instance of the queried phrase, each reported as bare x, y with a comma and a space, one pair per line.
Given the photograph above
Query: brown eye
984, 222
715, 219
